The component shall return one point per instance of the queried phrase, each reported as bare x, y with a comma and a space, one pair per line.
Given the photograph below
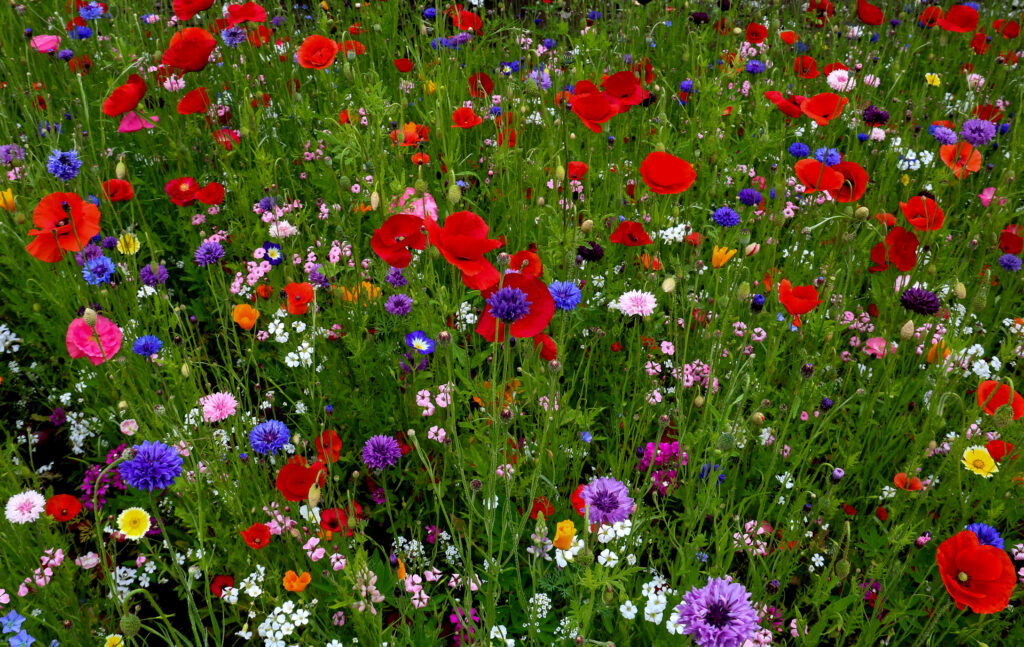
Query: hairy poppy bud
961, 290
980, 300
345, 183
843, 569
130, 625
1003, 416
454, 193
757, 419
659, 147
421, 187
743, 291
185, 370
907, 331
698, 401
585, 557
587, 226
374, 200
559, 172
89, 317
121, 170
726, 442
668, 285
122, 405
751, 249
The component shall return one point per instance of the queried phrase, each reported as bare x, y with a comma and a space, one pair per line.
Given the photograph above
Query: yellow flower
565, 532
7, 200
721, 256
905, 179
429, 87
932, 79
133, 523
978, 460
128, 244
113, 640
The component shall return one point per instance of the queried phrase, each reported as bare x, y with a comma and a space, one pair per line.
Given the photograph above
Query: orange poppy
245, 316
296, 583
910, 484
366, 293
65, 223
963, 158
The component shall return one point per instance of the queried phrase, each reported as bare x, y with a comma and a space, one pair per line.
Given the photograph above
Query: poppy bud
861, 213
185, 371
89, 317
420, 186
454, 193
907, 331
659, 147
122, 405
374, 200
980, 300
540, 201
726, 442
608, 597
757, 419
585, 557
19, 219
587, 226
843, 568
751, 249
560, 172
961, 290
345, 183
698, 401
121, 170
1003, 416
347, 69
130, 625
668, 285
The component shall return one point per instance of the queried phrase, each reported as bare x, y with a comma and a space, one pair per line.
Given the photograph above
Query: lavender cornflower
395, 278
1010, 263
755, 66
718, 615
91, 11
874, 116
978, 131
541, 78
509, 304
381, 451
11, 152
153, 467
943, 135
208, 253
153, 274
65, 54
608, 500
233, 36
64, 165
399, 304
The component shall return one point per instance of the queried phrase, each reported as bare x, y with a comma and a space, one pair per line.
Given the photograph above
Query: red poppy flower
789, 37
463, 242
411, 134
869, 14
959, 19
317, 52
625, 88
823, 107
992, 395
189, 49
295, 478
219, 583
125, 97
187, 9
798, 300
182, 191
988, 112
962, 157
923, 214
816, 176
63, 507
1000, 449
212, 193
855, 182
527, 262
466, 20
118, 190
979, 43
1007, 28
666, 174
404, 65
806, 67
526, 303
257, 535
881, 513
396, 236
576, 170
832, 67
299, 297
899, 248
335, 520
630, 234
465, 118
593, 108
259, 36
541, 504
547, 346
346, 46
756, 33
1010, 242
578, 504
194, 102
977, 575
930, 16
480, 85
65, 223
644, 71
789, 108
328, 446
248, 12
420, 159
226, 137
886, 219
910, 484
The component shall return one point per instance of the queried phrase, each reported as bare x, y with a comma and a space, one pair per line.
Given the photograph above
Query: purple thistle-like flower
396, 278
718, 615
608, 499
874, 116
725, 217
978, 131
509, 304
153, 277
944, 136
399, 304
381, 451
750, 197
1010, 263
154, 466
208, 253
920, 301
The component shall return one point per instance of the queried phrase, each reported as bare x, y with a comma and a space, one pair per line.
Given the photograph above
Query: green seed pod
726, 442
743, 291
861, 213
659, 147
843, 569
960, 289
345, 183
90, 316
421, 186
454, 193
609, 597
1003, 417
585, 557
130, 625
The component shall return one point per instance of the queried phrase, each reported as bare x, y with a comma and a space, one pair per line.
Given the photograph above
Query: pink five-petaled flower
97, 344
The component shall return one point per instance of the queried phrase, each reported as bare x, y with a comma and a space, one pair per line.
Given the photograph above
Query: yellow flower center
979, 464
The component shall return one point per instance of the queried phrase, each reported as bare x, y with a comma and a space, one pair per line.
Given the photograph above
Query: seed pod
743, 291
130, 625
861, 213
659, 147
454, 193
961, 290
843, 569
698, 401
907, 331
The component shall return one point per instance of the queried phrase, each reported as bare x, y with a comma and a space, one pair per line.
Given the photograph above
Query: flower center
509, 304
962, 577
718, 614
979, 464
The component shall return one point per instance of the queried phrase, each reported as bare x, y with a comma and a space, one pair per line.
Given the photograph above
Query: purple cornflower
725, 217
718, 615
399, 304
65, 54
208, 253
978, 131
153, 467
608, 500
379, 496
396, 278
153, 277
268, 437
750, 197
920, 301
64, 165
318, 279
755, 66
88, 253
541, 78
875, 116
944, 135
11, 152
1010, 263
233, 36
509, 304
381, 451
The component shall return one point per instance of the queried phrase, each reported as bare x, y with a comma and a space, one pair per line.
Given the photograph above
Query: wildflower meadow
511, 322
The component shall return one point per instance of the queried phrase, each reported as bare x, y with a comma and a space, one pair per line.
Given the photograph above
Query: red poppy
118, 190
248, 12
465, 118
630, 234
540, 307
855, 182
578, 504
480, 85
988, 112
816, 176
869, 14
63, 507
979, 43
1007, 28
789, 37
644, 70
226, 137
832, 67
187, 9
296, 478
189, 49
806, 67
125, 97
666, 174
1000, 449
960, 19
420, 159
346, 46
547, 346
65, 223
625, 88
576, 170
977, 575
1010, 242
541, 504
299, 297
403, 65
396, 236
411, 134
886, 219
317, 52
910, 484
465, 20
823, 107
194, 102
899, 248
219, 583
257, 535
930, 16
593, 108
212, 193
790, 108
962, 157
328, 446
182, 191
923, 214
463, 242
992, 395
527, 262
798, 300
343, 118
259, 36
881, 513
756, 33
335, 520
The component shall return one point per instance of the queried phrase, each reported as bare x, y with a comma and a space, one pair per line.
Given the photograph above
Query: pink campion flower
52, 557
45, 44
4, 597
97, 345
218, 406
876, 347
87, 561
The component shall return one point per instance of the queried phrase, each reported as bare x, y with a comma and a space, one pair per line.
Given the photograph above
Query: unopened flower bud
587, 226
454, 193
664, 421
130, 625
907, 331
444, 338
726, 442
559, 172
421, 186
757, 419
751, 249
843, 569
89, 317
122, 405
668, 285
698, 401
861, 213
374, 200
659, 147
185, 370
961, 290
121, 170
1003, 416
503, 260
555, 366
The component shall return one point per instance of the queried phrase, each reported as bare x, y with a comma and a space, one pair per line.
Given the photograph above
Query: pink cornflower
218, 406
25, 507
636, 303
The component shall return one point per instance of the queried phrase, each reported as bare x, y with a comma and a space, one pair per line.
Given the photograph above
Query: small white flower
628, 610
607, 558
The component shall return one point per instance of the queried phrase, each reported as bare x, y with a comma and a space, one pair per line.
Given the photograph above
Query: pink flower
218, 406
876, 347
423, 206
45, 44
87, 561
97, 345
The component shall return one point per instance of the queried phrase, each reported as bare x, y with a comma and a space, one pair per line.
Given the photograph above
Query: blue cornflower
686, 86
509, 304
566, 295
594, 15
81, 33
147, 346
799, 149
987, 535
755, 66
233, 36
419, 342
98, 270
1010, 263
154, 466
586, 436
750, 197
11, 623
496, 111
208, 253
862, 137
91, 11
943, 135
64, 164
828, 156
65, 55
430, 13
725, 217
268, 437
508, 67
549, 43
707, 470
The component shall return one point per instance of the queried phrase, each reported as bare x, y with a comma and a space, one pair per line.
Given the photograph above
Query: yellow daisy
113, 640
978, 460
932, 79
133, 523
128, 244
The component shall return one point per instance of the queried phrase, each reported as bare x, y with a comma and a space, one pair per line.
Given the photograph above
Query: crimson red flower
187, 9
182, 191
296, 478
756, 33
1007, 28
832, 67
899, 248
1010, 242
923, 214
992, 395
396, 236
63, 507
959, 19
480, 85
816, 176
576, 170
547, 346
346, 46
335, 520
463, 242
219, 583
465, 118
962, 157
317, 52
625, 88
798, 300
593, 108
910, 484
212, 193
790, 108
881, 513
789, 37
527, 262
65, 223
541, 504
930, 16
806, 67
257, 535
855, 182
666, 174
630, 234
328, 446
977, 575
125, 97
248, 12
988, 112
189, 49
522, 305
1000, 449
869, 14
403, 65
299, 297
118, 190
578, 504
193, 102
465, 20
823, 107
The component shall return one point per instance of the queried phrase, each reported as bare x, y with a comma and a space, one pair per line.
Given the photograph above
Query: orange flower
421, 159
410, 134
936, 351
565, 532
366, 292
245, 316
296, 583
963, 158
